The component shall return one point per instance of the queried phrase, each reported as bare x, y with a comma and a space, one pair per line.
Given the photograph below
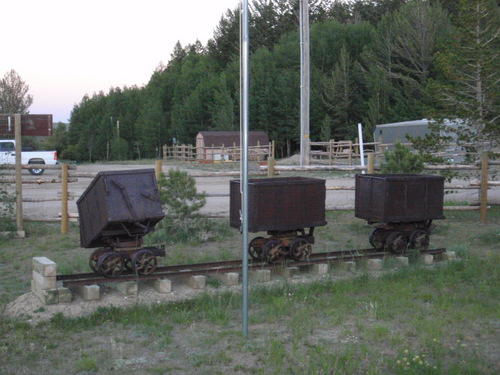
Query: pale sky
64, 49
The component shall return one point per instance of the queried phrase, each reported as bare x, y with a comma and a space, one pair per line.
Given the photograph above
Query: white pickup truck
8, 156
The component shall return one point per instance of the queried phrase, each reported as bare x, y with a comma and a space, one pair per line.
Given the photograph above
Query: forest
372, 62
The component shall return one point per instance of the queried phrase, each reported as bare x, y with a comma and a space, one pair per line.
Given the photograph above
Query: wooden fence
212, 154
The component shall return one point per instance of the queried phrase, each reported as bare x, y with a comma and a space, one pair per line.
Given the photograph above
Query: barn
224, 145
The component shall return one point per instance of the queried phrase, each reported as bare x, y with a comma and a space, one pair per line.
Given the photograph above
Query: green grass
412, 319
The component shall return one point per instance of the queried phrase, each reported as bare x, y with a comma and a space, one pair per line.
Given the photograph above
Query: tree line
372, 62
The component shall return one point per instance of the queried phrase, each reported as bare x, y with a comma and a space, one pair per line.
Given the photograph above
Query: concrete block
196, 281
287, 272
65, 295
448, 255
44, 282
90, 292
260, 276
228, 278
402, 260
128, 288
47, 296
349, 266
374, 264
319, 269
44, 266
427, 258
162, 285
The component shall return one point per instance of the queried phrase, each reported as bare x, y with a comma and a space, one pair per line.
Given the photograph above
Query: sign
31, 125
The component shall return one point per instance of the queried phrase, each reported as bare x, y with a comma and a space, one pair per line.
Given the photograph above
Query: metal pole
244, 161
361, 148
19, 185
304, 82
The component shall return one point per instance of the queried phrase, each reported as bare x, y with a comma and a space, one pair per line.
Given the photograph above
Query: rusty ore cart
116, 210
401, 208
283, 207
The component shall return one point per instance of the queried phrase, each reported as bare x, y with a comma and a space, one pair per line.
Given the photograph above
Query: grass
413, 319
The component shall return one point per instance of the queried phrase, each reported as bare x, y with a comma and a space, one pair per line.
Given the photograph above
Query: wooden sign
33, 125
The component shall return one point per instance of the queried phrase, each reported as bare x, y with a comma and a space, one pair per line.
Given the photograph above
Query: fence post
484, 187
158, 169
371, 163
64, 199
330, 150
270, 163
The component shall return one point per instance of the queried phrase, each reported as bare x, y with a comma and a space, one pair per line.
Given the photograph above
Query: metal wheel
396, 242
94, 258
419, 240
144, 262
377, 238
273, 252
300, 249
111, 264
255, 248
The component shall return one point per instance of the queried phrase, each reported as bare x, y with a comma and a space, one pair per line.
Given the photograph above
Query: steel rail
230, 266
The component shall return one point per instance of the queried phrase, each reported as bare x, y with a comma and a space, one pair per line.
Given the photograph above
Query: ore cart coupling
401, 208
283, 207
116, 210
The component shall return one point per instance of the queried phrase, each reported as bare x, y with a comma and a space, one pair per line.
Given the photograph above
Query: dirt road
216, 188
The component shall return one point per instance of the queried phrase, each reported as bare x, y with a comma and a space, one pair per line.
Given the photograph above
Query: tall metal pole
304, 82
244, 159
19, 185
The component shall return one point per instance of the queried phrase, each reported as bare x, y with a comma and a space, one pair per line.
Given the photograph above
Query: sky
64, 49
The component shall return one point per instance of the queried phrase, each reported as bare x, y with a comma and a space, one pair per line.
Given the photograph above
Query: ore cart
283, 207
401, 208
116, 211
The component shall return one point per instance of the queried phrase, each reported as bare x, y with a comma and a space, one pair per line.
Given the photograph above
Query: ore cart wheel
255, 248
377, 238
274, 252
111, 264
94, 259
396, 242
300, 249
144, 262
419, 240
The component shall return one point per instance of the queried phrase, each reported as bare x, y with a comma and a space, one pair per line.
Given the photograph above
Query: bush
402, 160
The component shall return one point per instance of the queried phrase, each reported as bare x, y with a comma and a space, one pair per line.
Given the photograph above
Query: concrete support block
374, 264
44, 282
319, 269
427, 259
402, 260
287, 272
47, 296
349, 266
128, 288
90, 292
196, 281
162, 285
260, 276
228, 278
448, 255
64, 295
44, 266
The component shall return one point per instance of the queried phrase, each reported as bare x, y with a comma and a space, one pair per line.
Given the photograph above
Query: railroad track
211, 268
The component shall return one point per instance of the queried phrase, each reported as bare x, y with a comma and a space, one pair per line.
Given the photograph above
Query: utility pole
304, 82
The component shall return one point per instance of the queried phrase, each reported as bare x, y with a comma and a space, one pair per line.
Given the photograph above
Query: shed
397, 131
219, 145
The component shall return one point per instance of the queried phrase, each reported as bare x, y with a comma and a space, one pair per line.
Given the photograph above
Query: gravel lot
216, 188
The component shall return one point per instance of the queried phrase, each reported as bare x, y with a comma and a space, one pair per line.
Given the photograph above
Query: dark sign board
36, 125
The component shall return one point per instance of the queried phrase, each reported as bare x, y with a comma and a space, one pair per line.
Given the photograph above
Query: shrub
402, 160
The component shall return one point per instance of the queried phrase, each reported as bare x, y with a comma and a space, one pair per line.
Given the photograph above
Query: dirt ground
216, 188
